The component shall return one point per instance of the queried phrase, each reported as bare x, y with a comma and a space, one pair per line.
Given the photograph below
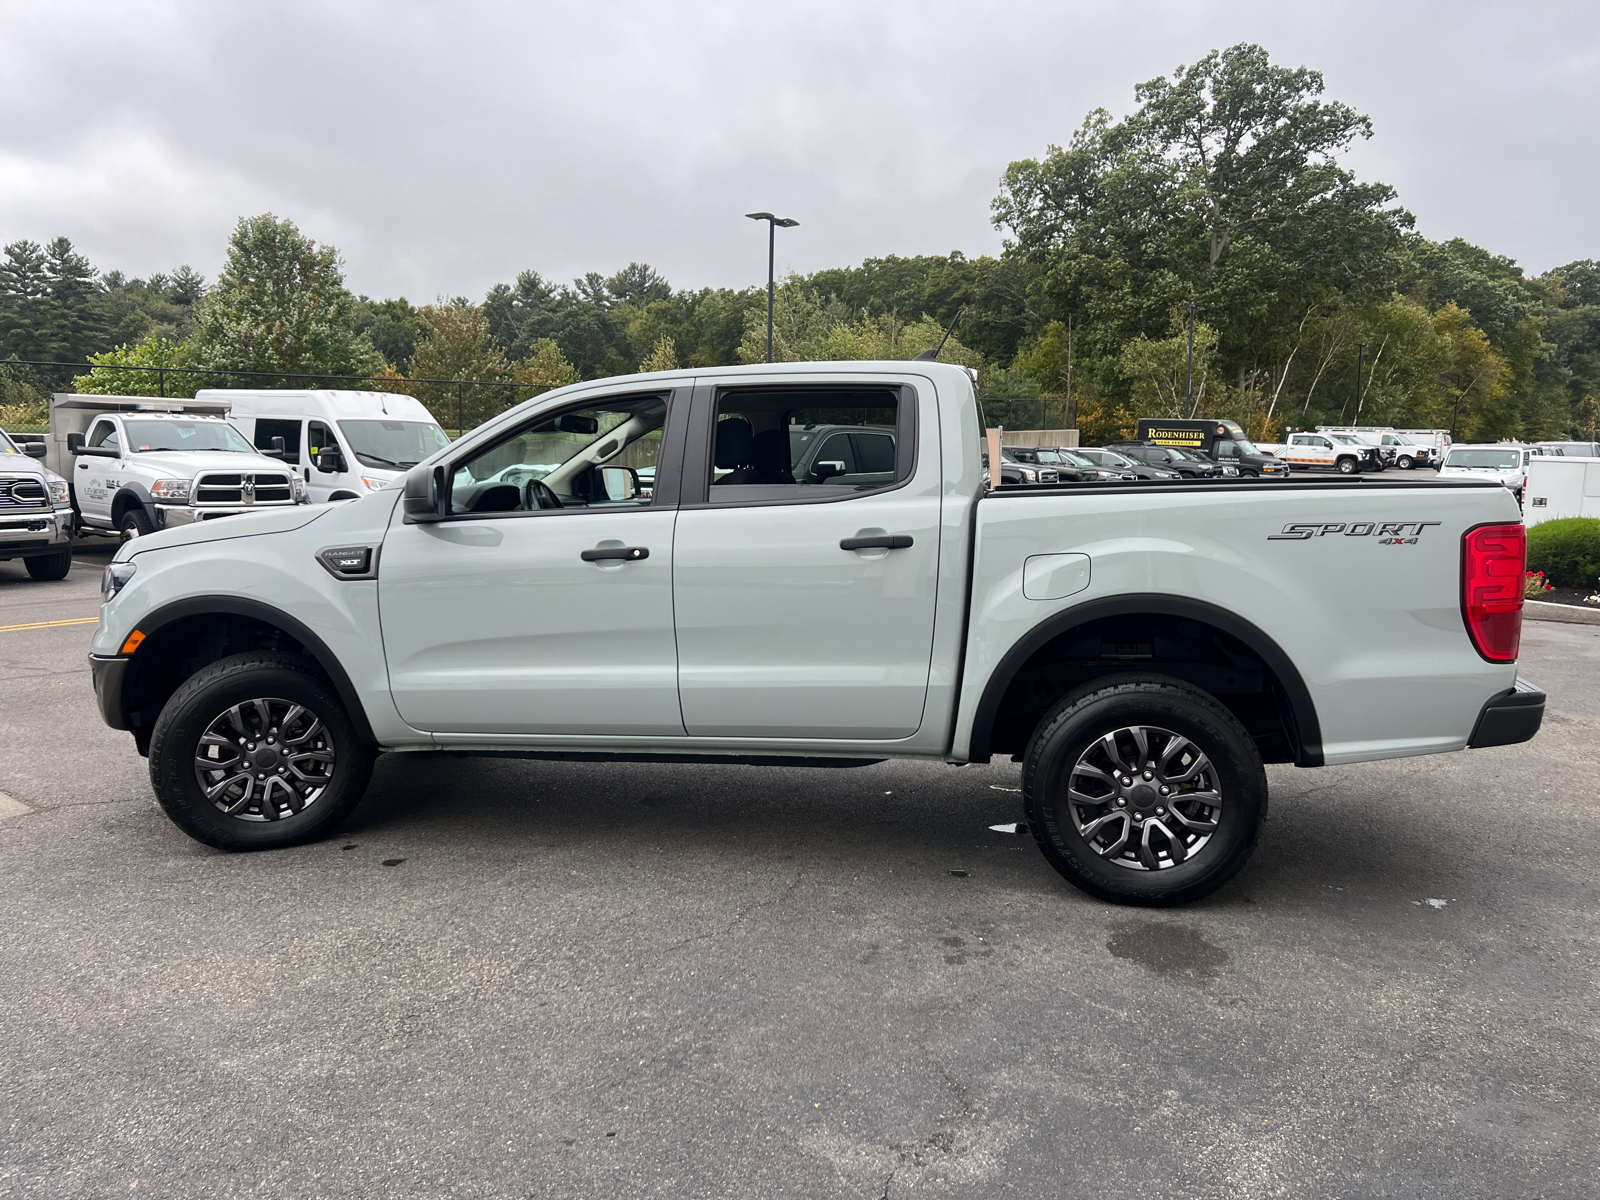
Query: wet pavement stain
1176, 952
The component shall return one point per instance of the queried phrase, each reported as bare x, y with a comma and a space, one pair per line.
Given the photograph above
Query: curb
1543, 610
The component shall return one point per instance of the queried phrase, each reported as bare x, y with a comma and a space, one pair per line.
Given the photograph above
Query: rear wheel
50, 566
1141, 789
255, 753
135, 524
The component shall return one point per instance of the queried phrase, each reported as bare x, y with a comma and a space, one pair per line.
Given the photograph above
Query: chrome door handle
884, 541
626, 553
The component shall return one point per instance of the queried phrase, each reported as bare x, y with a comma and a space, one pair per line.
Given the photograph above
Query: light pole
772, 243
1188, 375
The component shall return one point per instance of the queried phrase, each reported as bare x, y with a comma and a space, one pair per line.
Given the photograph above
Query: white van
342, 443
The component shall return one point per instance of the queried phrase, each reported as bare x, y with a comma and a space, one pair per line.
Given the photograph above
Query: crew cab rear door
541, 609
805, 607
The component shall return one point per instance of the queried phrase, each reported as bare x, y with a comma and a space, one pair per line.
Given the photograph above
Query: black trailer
1222, 440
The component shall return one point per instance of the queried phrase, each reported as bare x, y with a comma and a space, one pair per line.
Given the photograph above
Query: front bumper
1511, 717
174, 516
35, 533
108, 676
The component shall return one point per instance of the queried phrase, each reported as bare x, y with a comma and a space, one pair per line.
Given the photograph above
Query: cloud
443, 147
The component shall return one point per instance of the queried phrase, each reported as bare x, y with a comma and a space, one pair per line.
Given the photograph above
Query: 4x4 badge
1388, 533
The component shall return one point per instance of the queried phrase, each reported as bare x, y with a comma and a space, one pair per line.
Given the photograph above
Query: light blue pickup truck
1141, 646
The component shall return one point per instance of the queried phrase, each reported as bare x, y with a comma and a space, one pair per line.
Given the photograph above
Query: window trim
668, 465
695, 485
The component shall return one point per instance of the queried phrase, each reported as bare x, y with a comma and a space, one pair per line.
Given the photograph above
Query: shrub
1567, 550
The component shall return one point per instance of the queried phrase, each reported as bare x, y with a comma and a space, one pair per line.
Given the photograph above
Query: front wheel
1406, 463
1141, 789
255, 753
50, 566
1347, 466
135, 524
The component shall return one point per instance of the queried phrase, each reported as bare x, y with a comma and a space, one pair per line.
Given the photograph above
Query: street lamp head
761, 216
786, 223
780, 222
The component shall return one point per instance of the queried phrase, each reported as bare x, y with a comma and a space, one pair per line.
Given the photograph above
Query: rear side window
773, 444
289, 431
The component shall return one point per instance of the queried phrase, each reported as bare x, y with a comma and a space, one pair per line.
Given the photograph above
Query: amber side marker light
135, 639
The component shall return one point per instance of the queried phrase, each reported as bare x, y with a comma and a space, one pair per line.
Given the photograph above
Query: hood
279, 520
21, 464
189, 463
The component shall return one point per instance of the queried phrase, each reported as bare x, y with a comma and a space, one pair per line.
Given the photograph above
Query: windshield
1076, 459
1403, 440
1192, 455
1109, 458
393, 443
7, 446
1500, 460
186, 435
1344, 439
1246, 446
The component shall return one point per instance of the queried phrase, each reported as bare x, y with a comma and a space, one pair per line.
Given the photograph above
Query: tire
1347, 466
241, 685
1406, 462
135, 523
50, 566
1176, 720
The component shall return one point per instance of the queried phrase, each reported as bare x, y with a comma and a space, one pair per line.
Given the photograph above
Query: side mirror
824, 471
74, 442
328, 460
277, 449
35, 449
619, 483
424, 497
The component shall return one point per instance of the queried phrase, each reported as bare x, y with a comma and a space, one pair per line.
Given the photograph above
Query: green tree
280, 305
153, 352
24, 286
664, 357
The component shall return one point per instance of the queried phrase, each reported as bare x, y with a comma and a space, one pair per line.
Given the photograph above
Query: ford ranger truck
1142, 649
35, 513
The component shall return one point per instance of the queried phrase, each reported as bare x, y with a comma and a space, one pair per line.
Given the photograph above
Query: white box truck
342, 443
1559, 486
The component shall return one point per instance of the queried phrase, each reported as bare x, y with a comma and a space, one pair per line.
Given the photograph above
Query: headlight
299, 488
170, 489
372, 483
1027, 474
1169, 475
116, 578
58, 491
1230, 470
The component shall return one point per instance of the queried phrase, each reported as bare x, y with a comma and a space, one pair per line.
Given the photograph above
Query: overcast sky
446, 146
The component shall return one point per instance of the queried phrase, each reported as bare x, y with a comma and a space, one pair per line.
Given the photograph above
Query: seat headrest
769, 451
733, 444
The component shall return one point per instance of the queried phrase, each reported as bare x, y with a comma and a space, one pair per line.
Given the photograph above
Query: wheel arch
1296, 707
213, 627
131, 495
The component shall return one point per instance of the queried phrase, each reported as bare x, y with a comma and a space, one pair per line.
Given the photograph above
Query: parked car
1170, 458
35, 511
1221, 441
1014, 472
342, 444
137, 464
1070, 467
1505, 463
1142, 656
1113, 461
1330, 451
1394, 448
1571, 449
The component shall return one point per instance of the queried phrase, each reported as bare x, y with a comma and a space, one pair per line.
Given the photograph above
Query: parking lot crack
741, 916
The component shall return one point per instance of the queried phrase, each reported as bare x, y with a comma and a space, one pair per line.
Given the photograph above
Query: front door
95, 478
543, 603
805, 606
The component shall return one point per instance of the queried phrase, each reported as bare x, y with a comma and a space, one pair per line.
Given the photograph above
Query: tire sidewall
1189, 713
193, 708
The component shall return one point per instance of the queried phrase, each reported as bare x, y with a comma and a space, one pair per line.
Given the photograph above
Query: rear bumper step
1509, 718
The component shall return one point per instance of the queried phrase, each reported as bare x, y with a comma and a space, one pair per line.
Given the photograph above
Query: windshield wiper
378, 458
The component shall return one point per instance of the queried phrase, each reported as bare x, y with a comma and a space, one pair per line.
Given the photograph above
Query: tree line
1220, 206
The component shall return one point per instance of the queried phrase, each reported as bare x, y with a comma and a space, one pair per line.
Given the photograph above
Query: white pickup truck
138, 464
1141, 646
1341, 452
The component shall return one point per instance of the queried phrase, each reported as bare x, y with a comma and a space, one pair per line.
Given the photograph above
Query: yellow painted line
50, 624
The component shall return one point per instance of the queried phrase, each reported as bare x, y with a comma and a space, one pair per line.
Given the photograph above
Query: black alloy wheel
254, 752
1142, 789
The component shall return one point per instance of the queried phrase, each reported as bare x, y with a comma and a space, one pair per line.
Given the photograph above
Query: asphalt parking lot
517, 979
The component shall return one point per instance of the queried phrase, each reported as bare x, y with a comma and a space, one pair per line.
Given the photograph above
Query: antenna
933, 355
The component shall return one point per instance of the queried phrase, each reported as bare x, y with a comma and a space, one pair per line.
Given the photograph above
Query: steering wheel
538, 494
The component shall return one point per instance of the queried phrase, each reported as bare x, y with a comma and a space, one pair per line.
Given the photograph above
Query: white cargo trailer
1562, 487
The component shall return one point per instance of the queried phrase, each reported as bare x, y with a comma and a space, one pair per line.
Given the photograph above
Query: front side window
393, 443
152, 436
799, 439
603, 456
105, 434
1226, 449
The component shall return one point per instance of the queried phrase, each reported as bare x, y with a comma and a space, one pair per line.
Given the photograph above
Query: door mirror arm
425, 495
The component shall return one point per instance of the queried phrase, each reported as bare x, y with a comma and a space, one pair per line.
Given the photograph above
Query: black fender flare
141, 496
1306, 735
241, 606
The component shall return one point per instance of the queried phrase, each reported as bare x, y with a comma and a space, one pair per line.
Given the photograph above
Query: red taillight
1493, 564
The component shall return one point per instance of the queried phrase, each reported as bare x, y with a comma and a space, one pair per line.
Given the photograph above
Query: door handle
83, 466
884, 541
626, 553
